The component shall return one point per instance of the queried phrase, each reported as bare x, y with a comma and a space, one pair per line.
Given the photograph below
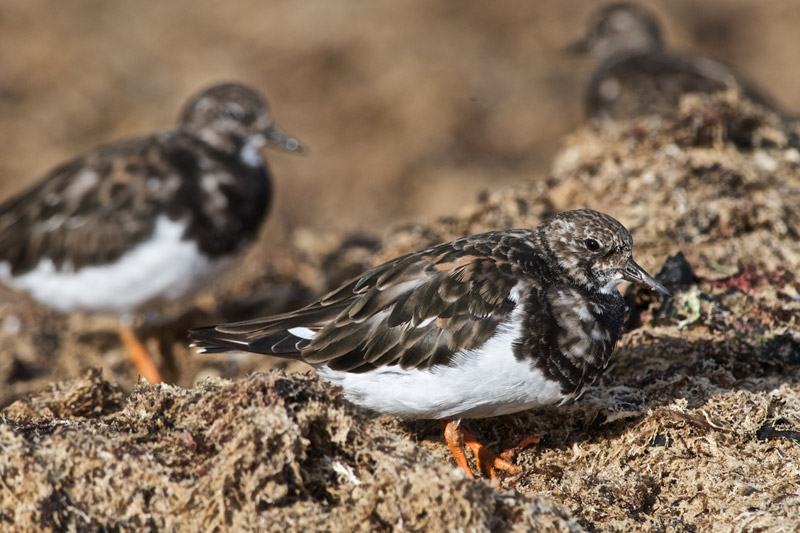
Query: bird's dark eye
234, 112
591, 244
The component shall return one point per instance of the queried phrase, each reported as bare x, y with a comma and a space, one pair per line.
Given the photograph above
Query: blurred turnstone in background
637, 75
140, 221
482, 326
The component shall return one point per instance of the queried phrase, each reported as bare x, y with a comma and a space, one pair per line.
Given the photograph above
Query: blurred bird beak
284, 141
636, 274
578, 48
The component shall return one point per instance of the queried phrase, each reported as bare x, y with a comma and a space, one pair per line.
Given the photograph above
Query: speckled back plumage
76, 217
379, 319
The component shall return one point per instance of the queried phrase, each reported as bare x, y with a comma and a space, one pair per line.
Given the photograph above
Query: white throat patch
251, 152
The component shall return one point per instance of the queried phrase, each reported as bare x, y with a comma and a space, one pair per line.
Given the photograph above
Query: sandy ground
413, 111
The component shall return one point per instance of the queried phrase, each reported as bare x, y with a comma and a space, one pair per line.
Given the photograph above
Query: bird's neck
220, 142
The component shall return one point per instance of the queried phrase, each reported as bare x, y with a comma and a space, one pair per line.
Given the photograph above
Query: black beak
636, 274
284, 141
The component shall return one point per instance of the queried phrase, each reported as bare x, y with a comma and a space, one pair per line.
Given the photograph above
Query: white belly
162, 267
485, 382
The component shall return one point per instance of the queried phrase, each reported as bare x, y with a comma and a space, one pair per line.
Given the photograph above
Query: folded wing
415, 312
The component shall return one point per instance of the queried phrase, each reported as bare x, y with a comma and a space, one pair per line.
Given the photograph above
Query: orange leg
138, 355
526, 441
455, 441
488, 461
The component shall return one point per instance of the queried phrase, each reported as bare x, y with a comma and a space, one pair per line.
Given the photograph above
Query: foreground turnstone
637, 75
483, 326
146, 219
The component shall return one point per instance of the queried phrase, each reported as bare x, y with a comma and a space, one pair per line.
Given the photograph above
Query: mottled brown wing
415, 311
654, 83
89, 210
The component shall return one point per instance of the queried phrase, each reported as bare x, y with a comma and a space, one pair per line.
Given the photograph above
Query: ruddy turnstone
482, 326
636, 74
142, 220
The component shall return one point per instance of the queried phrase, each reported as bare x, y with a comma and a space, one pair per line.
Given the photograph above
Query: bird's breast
569, 335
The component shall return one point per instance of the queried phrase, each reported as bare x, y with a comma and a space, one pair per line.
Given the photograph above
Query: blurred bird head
620, 28
234, 117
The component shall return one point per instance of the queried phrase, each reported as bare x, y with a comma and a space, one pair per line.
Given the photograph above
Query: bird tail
281, 335
220, 339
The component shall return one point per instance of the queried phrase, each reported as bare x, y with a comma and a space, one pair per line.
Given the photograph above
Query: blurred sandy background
410, 108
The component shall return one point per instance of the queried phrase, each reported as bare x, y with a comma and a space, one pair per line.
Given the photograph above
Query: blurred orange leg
138, 355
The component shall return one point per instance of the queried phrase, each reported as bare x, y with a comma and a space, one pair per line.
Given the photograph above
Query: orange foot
488, 461
139, 356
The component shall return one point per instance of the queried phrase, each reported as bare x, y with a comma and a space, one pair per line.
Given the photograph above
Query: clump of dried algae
270, 452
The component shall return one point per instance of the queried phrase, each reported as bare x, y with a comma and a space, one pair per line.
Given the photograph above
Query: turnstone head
145, 219
637, 75
621, 28
235, 119
482, 326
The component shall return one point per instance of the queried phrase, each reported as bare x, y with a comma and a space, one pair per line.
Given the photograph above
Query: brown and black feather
415, 311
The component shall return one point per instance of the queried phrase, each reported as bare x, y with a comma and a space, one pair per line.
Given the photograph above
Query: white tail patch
303, 333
